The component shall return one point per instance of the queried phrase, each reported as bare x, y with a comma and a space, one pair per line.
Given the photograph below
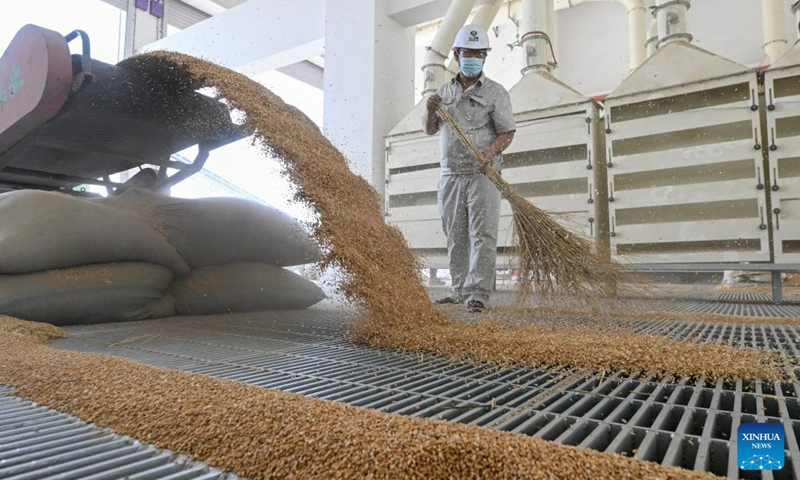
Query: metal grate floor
687, 423
719, 307
723, 303
699, 292
725, 297
37, 442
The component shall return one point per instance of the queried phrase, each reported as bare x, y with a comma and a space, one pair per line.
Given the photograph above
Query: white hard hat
473, 37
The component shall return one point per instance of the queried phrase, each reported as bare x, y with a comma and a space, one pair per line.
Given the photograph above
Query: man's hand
488, 160
433, 102
500, 143
430, 121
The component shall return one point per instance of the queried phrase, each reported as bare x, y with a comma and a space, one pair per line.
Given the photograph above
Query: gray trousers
470, 210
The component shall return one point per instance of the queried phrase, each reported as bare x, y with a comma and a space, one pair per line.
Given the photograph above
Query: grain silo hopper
556, 160
686, 177
67, 121
782, 95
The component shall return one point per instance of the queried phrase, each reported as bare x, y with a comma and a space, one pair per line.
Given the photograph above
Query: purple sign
141, 5
156, 8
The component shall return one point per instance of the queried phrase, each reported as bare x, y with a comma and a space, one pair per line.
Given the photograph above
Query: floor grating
687, 423
725, 297
37, 442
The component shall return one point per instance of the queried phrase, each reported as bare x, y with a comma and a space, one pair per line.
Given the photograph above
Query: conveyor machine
68, 121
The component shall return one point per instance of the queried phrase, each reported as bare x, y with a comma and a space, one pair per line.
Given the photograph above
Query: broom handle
490, 171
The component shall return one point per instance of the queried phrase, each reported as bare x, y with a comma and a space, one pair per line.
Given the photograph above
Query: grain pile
21, 331
540, 345
383, 273
261, 434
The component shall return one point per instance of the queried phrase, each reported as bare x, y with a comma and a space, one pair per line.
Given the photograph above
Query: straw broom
552, 260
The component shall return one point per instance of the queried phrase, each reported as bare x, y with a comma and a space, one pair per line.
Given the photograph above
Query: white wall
732, 28
592, 46
368, 81
591, 41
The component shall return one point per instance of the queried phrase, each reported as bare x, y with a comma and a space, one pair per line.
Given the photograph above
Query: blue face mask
471, 67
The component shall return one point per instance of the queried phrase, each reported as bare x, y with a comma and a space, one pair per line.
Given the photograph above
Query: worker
469, 203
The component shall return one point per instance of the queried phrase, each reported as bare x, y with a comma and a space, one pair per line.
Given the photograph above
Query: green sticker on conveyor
14, 84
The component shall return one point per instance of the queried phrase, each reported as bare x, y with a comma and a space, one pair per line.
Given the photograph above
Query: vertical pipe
796, 10
163, 24
637, 16
485, 15
533, 25
600, 178
652, 38
433, 64
774, 36
551, 31
671, 17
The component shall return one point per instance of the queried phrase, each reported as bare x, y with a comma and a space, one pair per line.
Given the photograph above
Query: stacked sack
140, 255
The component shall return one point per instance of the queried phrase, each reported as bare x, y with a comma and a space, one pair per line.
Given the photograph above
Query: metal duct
433, 65
533, 21
775, 43
671, 18
651, 45
637, 14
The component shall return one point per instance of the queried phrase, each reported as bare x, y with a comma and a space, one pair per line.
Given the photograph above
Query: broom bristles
552, 260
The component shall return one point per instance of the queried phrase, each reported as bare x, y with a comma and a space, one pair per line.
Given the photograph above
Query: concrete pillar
369, 82
144, 27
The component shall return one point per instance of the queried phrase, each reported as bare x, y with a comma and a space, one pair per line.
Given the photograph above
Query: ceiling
228, 3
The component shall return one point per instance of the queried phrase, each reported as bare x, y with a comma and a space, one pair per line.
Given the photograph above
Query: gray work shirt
483, 111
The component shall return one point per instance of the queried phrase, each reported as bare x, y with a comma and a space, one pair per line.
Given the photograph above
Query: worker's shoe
475, 306
451, 299
435, 282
